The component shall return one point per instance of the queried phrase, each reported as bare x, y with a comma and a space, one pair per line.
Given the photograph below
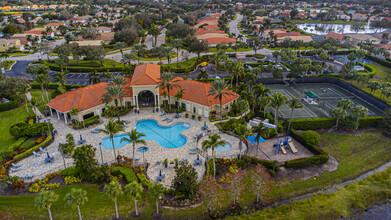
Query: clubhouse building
141, 91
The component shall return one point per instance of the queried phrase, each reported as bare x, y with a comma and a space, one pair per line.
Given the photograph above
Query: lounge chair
23, 177
158, 162
126, 125
30, 177
165, 118
42, 150
94, 131
16, 165
36, 154
15, 169
184, 159
164, 112
193, 149
192, 152
137, 159
169, 120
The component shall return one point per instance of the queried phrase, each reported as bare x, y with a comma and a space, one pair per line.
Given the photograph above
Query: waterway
322, 28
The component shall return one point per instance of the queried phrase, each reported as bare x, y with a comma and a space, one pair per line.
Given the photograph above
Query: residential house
359, 17
336, 36
6, 44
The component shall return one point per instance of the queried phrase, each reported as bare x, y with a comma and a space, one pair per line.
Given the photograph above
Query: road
233, 27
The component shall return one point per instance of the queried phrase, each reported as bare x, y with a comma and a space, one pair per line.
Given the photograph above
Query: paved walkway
35, 164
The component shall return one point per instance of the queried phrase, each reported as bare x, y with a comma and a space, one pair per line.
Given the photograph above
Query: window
194, 110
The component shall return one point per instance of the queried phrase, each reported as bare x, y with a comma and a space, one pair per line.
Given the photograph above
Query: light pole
100, 147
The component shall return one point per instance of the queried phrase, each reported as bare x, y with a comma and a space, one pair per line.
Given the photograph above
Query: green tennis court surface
326, 96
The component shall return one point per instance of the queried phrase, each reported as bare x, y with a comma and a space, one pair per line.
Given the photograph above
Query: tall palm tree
34, 105
77, 197
157, 191
345, 104
212, 142
45, 200
113, 93
42, 80
179, 95
177, 43
133, 190
61, 78
242, 133
120, 82
134, 138
293, 104
238, 71
260, 131
154, 31
167, 82
219, 91
359, 111
338, 113
139, 49
110, 111
264, 102
120, 46
22, 91
113, 190
276, 101
128, 58
93, 77
217, 58
111, 128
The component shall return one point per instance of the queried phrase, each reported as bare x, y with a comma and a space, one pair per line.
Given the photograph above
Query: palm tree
45, 200
177, 43
242, 133
293, 104
179, 95
120, 82
93, 77
338, 113
219, 91
264, 102
42, 80
34, 105
359, 111
134, 138
154, 31
276, 101
212, 142
113, 93
77, 197
345, 104
22, 91
113, 190
238, 70
120, 46
128, 58
217, 58
157, 191
167, 82
111, 128
260, 131
61, 78
133, 190
139, 49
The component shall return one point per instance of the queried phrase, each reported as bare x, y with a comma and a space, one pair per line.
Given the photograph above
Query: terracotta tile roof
146, 74
83, 98
54, 24
211, 27
287, 34
197, 92
218, 40
202, 31
335, 36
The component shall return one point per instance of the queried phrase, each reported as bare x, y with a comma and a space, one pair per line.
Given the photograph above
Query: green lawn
355, 154
383, 71
10, 117
213, 50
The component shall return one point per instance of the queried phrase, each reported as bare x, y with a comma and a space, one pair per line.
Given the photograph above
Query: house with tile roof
141, 91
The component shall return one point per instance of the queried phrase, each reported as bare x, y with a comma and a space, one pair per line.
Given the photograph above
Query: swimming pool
168, 137
344, 59
224, 148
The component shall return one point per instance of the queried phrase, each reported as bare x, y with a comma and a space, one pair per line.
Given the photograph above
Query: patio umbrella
81, 138
204, 123
160, 173
142, 150
48, 154
198, 156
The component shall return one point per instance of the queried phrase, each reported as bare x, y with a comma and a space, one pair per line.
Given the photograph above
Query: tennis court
325, 95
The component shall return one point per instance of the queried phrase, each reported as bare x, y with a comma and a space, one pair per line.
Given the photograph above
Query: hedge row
85, 68
312, 123
266, 163
89, 121
29, 152
11, 149
378, 60
144, 181
35, 85
369, 121
127, 173
10, 105
319, 157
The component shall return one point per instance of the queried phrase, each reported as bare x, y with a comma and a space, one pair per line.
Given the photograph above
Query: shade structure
254, 141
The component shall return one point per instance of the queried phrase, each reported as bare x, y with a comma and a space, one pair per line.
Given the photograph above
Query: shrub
10, 105
69, 180
144, 181
29, 143
34, 187
89, 121
126, 172
18, 129
311, 137
370, 121
272, 132
70, 171
35, 148
21, 129
312, 123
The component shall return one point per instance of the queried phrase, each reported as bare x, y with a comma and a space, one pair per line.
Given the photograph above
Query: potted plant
165, 162
193, 117
171, 162
199, 118
176, 162
187, 115
157, 108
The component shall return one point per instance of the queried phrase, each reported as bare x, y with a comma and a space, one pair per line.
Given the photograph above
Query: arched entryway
146, 98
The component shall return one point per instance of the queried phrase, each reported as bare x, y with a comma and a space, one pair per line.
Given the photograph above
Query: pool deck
36, 164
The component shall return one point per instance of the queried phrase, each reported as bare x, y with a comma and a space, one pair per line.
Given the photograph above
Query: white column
58, 116
136, 101
51, 111
65, 116
155, 100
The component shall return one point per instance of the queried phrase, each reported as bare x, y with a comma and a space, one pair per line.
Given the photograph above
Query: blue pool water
344, 59
168, 137
224, 148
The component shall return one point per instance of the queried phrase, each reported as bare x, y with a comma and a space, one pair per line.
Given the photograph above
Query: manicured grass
213, 50
154, 59
9, 64
355, 155
383, 71
87, 63
10, 117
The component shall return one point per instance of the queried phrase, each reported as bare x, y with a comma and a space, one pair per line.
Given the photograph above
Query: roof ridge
81, 98
207, 96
